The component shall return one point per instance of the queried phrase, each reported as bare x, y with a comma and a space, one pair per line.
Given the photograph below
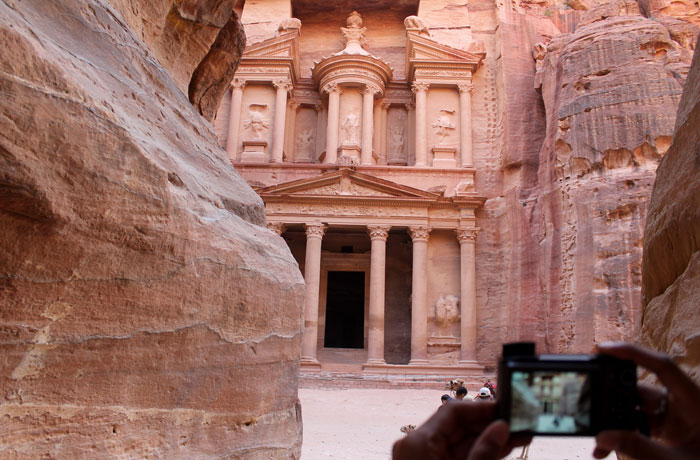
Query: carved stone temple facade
364, 160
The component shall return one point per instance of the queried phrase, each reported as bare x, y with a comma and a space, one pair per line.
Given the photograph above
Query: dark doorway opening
345, 310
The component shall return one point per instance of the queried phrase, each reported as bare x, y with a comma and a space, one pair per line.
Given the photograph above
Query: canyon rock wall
145, 311
570, 220
671, 264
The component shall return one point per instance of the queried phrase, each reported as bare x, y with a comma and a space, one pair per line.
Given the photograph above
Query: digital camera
567, 395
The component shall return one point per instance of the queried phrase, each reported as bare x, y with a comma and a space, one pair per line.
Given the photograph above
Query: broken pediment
272, 55
424, 52
345, 182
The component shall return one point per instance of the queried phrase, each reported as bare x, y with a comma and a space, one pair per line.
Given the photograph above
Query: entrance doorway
345, 310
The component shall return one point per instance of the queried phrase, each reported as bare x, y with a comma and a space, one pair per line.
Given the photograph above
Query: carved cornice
466, 235
378, 232
419, 232
277, 227
420, 86
315, 230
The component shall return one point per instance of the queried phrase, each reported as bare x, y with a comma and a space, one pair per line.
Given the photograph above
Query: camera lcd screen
550, 402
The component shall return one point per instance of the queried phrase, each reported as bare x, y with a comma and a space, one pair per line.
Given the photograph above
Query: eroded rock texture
671, 265
144, 310
570, 221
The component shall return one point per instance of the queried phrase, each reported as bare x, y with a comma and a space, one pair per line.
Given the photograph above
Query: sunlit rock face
671, 264
145, 310
572, 217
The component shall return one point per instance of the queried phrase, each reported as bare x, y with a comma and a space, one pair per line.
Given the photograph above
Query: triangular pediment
345, 183
285, 45
423, 48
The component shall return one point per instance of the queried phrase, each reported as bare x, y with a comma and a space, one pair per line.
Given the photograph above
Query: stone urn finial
354, 35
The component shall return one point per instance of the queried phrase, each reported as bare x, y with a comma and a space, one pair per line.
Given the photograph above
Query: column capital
419, 232
420, 86
282, 84
467, 235
238, 83
294, 104
378, 232
318, 107
371, 89
332, 88
467, 87
315, 230
410, 106
277, 227
385, 105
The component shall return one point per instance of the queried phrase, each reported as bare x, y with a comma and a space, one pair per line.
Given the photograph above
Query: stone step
340, 380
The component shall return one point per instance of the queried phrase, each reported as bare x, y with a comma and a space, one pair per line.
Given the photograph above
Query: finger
600, 453
491, 443
630, 443
661, 364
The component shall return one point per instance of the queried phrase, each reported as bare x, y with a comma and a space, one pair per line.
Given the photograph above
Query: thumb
491, 442
631, 443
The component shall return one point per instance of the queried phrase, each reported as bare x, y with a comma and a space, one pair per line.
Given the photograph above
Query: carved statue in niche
305, 142
446, 311
397, 139
443, 125
257, 122
351, 126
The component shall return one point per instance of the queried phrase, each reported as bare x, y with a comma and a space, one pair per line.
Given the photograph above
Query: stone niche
350, 122
397, 136
306, 139
443, 127
255, 129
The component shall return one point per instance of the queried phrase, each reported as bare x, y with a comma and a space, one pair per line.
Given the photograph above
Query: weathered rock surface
566, 234
671, 264
144, 310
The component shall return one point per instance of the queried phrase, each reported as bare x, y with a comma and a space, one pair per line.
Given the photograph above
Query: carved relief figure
416, 23
397, 139
305, 141
351, 126
446, 311
257, 122
443, 125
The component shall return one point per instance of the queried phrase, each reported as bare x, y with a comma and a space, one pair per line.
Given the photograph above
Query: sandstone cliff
570, 220
671, 264
145, 312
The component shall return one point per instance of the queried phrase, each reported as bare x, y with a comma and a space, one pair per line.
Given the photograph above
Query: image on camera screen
550, 402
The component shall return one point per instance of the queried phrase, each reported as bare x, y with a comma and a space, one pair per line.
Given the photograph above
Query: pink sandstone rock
671, 263
145, 312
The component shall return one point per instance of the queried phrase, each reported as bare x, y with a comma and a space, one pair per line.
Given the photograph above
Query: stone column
421, 89
468, 326
376, 138
312, 276
410, 133
367, 123
282, 86
375, 340
234, 117
419, 307
320, 122
465, 123
277, 227
333, 91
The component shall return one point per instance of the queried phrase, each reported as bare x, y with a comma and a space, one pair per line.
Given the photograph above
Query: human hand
459, 430
674, 416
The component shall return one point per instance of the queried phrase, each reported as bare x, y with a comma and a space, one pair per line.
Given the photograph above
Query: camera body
566, 395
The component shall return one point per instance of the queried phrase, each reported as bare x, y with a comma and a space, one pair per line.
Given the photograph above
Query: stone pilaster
333, 91
234, 118
468, 325
419, 305
375, 342
420, 89
312, 276
465, 123
282, 87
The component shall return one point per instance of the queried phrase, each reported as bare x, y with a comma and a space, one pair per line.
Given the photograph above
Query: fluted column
282, 86
421, 89
333, 91
465, 123
234, 118
419, 307
375, 341
312, 276
468, 326
367, 123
